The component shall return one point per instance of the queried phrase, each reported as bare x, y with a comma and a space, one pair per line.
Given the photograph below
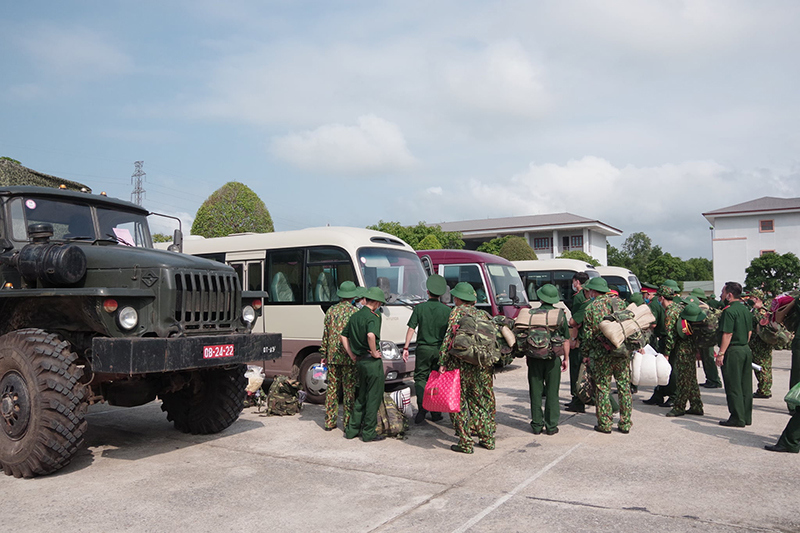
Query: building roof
533, 223
761, 205
12, 173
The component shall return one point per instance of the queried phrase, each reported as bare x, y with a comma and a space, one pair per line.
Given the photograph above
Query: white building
745, 231
548, 235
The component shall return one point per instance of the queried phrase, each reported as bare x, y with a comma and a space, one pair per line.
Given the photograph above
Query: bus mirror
512, 293
177, 242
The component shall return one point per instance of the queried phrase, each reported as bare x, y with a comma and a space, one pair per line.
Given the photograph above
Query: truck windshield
397, 272
503, 276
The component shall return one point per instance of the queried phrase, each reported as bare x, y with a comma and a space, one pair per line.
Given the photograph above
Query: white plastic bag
402, 399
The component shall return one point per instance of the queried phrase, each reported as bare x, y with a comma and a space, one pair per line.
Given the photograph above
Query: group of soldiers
352, 336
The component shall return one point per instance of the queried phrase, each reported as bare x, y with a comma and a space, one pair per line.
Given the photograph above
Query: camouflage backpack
475, 341
285, 397
391, 422
541, 342
773, 334
705, 333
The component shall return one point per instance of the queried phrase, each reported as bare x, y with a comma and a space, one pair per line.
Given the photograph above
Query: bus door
249, 266
472, 274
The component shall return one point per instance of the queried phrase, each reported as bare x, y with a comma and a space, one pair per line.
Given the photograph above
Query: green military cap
548, 293
666, 291
347, 289
698, 293
376, 294
691, 300
597, 284
637, 298
672, 284
650, 286
464, 291
436, 284
361, 292
693, 313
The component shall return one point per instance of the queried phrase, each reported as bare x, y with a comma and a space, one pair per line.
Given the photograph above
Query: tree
517, 249
430, 242
639, 251
664, 268
616, 257
233, 208
413, 235
6, 158
493, 247
699, 269
773, 273
161, 237
580, 255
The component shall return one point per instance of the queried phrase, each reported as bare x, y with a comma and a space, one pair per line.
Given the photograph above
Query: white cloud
435, 191
372, 146
168, 226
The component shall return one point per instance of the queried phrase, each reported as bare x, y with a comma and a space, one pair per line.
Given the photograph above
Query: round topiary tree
233, 208
517, 249
429, 242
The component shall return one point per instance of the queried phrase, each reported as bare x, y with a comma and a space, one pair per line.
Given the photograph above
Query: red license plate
213, 352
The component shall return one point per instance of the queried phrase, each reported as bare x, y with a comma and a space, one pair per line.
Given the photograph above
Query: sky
642, 115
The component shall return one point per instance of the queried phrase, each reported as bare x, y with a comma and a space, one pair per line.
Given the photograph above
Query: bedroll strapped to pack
285, 397
475, 341
391, 421
632, 336
540, 338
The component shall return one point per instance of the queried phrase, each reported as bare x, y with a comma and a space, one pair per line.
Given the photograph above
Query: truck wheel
209, 404
315, 388
42, 403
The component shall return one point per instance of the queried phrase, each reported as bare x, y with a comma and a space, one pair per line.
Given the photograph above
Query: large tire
315, 389
208, 405
42, 403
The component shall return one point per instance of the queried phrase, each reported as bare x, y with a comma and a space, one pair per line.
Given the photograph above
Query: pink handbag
443, 392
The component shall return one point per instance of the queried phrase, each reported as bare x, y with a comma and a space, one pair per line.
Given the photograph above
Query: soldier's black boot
657, 397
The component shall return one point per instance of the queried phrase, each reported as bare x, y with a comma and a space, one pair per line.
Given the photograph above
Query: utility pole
137, 178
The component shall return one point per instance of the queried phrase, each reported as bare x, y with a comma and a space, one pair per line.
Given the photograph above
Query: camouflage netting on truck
12, 173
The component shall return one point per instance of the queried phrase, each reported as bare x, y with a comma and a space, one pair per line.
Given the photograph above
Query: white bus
621, 279
302, 270
559, 272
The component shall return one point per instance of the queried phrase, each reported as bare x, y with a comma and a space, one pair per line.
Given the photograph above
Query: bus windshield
398, 273
502, 277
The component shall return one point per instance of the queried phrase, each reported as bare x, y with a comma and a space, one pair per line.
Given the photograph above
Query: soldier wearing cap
361, 339
667, 294
544, 375
579, 301
431, 319
603, 365
683, 350
707, 354
477, 395
762, 352
735, 357
341, 369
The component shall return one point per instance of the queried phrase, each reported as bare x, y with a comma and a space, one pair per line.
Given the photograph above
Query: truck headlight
248, 314
128, 318
390, 351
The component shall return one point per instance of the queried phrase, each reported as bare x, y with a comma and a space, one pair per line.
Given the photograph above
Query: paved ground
286, 474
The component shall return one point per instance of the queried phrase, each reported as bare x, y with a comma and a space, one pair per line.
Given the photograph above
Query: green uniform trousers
426, 360
344, 378
364, 418
790, 438
603, 370
737, 373
575, 359
544, 376
710, 368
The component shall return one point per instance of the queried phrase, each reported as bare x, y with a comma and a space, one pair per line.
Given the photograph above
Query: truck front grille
207, 300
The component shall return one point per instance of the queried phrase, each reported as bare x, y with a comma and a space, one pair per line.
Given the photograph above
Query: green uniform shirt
431, 317
579, 304
736, 319
364, 321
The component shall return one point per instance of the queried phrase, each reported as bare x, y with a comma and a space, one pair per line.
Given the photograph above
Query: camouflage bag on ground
391, 421
705, 333
285, 397
773, 334
475, 341
541, 342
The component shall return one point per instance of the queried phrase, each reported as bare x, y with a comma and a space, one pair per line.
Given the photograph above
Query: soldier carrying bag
539, 341
475, 341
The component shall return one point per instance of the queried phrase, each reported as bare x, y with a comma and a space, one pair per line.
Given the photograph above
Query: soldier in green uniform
361, 338
544, 375
735, 357
683, 356
762, 352
603, 365
578, 303
477, 395
671, 305
789, 440
431, 319
710, 369
342, 375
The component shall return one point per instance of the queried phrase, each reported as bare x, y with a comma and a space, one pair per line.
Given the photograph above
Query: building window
541, 243
576, 241
767, 252
766, 226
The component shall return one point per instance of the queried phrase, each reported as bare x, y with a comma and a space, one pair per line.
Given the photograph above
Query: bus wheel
315, 388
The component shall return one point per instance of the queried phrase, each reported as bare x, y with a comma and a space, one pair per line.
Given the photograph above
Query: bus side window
254, 281
239, 268
326, 269
285, 274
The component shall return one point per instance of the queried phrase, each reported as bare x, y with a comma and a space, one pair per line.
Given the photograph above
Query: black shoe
696, 412
625, 431
601, 430
634, 389
536, 431
730, 424
329, 429
762, 396
377, 438
710, 385
777, 448
459, 449
551, 431
654, 400
420, 418
666, 403
485, 445
575, 408
435, 417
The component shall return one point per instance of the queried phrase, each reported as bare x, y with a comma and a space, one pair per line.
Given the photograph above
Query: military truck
91, 312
